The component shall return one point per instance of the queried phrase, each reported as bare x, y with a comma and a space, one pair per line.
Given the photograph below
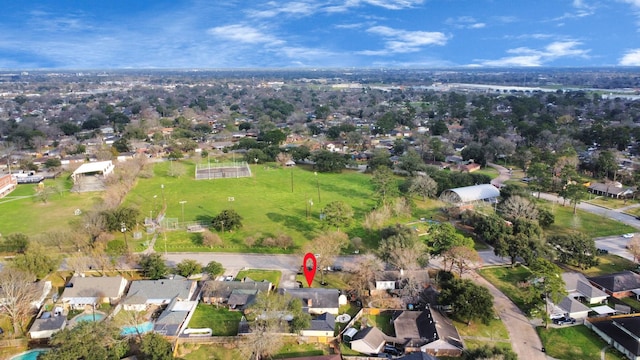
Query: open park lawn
507, 279
23, 211
222, 321
273, 276
573, 342
273, 201
586, 222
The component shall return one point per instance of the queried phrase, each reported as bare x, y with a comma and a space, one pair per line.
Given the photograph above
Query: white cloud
464, 22
524, 56
244, 34
402, 41
630, 58
295, 9
581, 9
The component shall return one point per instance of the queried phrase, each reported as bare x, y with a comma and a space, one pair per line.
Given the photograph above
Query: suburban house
369, 340
143, 293
235, 294
48, 324
612, 190
393, 280
317, 301
322, 327
622, 333
417, 356
571, 307
82, 291
619, 285
173, 319
579, 288
427, 331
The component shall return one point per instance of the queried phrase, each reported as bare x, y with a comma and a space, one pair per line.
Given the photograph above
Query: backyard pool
29, 355
138, 329
89, 317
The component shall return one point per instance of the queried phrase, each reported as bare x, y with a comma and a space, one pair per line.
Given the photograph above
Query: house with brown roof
427, 331
619, 285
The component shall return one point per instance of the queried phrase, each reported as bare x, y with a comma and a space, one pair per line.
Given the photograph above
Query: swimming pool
139, 329
29, 355
89, 317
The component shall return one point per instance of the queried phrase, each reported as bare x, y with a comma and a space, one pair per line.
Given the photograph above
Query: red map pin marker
309, 271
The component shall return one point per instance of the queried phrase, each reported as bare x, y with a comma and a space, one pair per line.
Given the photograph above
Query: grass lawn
489, 171
506, 279
346, 350
300, 350
272, 276
267, 202
381, 321
207, 352
592, 224
572, 342
334, 280
494, 330
23, 212
474, 344
611, 203
222, 321
608, 264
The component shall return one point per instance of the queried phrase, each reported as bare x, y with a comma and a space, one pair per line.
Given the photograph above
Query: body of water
89, 317
139, 329
29, 355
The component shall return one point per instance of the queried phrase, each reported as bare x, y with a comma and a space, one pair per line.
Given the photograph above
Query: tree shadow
295, 222
208, 219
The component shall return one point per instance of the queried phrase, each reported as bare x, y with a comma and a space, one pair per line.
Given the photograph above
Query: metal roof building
470, 194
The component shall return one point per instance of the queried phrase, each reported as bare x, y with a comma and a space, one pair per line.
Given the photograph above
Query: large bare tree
19, 291
363, 272
634, 248
518, 207
326, 247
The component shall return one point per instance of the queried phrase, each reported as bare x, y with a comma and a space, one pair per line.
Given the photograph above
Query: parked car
564, 321
628, 235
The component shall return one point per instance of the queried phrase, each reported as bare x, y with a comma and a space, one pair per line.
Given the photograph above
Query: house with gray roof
144, 293
574, 308
578, 287
46, 325
317, 301
236, 294
173, 320
369, 340
322, 327
90, 291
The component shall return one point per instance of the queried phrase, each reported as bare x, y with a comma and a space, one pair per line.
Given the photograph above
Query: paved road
615, 245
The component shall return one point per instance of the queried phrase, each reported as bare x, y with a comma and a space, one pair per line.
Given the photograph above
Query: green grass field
24, 212
272, 276
608, 264
274, 201
222, 321
591, 224
573, 342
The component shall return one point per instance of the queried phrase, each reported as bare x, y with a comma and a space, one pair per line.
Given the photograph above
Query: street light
182, 203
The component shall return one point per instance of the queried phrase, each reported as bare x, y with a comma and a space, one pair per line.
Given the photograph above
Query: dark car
392, 350
564, 321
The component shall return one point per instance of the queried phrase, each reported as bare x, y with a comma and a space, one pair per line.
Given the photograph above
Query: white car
628, 236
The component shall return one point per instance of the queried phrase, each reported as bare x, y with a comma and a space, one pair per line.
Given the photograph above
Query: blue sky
66, 34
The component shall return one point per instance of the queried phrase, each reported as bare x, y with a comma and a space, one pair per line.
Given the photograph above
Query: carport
603, 310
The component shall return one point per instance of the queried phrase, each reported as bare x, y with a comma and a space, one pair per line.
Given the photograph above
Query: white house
91, 291
144, 293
